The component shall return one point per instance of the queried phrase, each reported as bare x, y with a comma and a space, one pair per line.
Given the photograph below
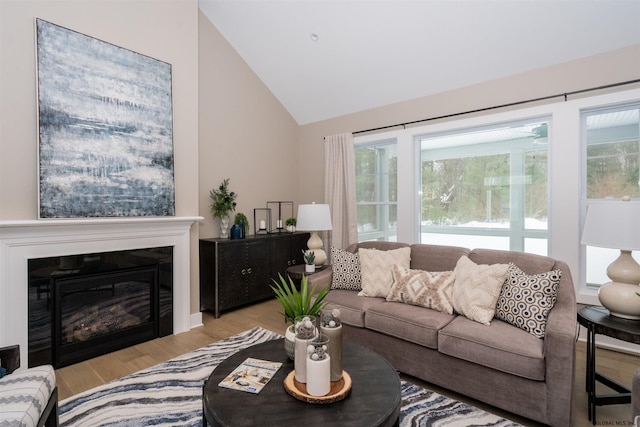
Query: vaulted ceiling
327, 58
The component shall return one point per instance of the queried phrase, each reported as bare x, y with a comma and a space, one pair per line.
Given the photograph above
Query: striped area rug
170, 394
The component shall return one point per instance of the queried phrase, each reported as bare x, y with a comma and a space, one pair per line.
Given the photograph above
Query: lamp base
621, 299
315, 244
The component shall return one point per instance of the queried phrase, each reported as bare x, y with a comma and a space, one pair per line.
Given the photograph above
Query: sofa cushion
476, 289
376, 266
526, 300
422, 288
407, 322
345, 267
24, 395
499, 346
352, 307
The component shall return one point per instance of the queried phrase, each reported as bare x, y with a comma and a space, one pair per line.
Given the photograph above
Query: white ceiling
372, 53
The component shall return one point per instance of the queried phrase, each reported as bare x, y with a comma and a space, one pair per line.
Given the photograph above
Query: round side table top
375, 398
296, 272
606, 324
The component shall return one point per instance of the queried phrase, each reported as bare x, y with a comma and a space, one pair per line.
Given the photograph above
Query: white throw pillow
476, 289
375, 269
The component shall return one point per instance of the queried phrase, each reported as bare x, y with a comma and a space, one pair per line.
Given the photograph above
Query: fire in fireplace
87, 305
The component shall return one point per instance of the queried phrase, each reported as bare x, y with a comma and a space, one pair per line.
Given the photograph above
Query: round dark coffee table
374, 399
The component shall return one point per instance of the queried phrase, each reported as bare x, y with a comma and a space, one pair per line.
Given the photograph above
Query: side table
296, 272
597, 320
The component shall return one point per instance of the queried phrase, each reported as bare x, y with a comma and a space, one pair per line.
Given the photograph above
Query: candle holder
261, 220
282, 210
319, 366
331, 326
305, 328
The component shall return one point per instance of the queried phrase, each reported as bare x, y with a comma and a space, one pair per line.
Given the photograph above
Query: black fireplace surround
83, 306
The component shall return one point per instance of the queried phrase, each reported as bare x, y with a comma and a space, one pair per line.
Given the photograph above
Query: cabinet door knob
244, 271
248, 271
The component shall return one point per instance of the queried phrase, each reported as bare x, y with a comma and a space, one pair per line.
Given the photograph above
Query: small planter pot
309, 268
290, 342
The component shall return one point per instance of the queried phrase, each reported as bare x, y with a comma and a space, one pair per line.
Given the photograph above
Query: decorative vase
305, 333
331, 326
309, 268
236, 232
290, 342
319, 366
224, 227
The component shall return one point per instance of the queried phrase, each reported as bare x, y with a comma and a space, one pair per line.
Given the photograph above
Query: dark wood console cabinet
238, 272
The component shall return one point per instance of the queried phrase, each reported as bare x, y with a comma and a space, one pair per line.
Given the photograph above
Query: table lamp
314, 218
616, 224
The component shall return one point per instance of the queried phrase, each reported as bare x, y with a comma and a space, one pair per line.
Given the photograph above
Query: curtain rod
544, 98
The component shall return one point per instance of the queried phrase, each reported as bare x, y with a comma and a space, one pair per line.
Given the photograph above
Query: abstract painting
105, 128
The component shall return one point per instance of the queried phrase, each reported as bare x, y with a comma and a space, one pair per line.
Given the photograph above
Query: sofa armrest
10, 358
321, 278
559, 351
635, 394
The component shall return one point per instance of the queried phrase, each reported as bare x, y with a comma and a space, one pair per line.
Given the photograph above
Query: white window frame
385, 234
566, 164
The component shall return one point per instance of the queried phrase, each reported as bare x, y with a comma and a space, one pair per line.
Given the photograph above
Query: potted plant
241, 218
291, 223
297, 303
309, 261
223, 203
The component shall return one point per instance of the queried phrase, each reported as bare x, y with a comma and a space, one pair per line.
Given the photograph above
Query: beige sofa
499, 364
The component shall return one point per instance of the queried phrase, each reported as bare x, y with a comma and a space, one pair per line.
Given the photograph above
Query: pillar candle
263, 224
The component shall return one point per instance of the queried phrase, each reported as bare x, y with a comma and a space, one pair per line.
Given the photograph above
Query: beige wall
165, 30
227, 124
246, 135
612, 67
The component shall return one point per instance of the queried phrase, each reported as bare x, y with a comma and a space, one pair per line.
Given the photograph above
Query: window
486, 187
377, 190
612, 157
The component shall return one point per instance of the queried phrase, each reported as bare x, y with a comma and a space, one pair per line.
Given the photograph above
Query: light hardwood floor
91, 373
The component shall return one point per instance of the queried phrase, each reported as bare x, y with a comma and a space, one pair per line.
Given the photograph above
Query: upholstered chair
28, 397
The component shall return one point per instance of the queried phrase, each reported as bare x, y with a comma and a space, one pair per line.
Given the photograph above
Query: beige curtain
340, 190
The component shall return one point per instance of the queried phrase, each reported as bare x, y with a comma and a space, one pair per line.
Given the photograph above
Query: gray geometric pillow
525, 301
346, 270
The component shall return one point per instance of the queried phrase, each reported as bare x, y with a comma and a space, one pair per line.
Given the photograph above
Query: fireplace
83, 306
24, 240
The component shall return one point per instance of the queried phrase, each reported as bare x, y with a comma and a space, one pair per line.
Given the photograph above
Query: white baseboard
195, 320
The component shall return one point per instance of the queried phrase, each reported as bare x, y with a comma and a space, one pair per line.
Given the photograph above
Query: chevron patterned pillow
375, 266
476, 289
422, 288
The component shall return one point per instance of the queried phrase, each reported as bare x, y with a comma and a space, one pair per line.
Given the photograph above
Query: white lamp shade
313, 217
612, 224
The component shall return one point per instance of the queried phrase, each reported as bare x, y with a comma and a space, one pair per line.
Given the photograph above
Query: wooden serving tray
339, 389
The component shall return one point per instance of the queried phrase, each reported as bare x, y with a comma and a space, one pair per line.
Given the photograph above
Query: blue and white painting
105, 128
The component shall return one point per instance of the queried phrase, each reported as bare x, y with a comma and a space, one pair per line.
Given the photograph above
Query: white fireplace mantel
24, 240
